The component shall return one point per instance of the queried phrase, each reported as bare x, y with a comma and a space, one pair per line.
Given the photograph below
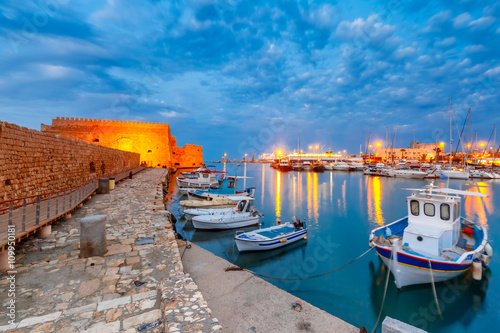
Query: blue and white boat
226, 187
433, 243
271, 237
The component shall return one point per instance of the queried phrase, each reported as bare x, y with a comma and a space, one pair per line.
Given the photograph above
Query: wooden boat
238, 205
226, 187
244, 217
205, 179
433, 243
271, 237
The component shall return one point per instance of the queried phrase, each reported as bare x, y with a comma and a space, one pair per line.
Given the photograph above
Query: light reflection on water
341, 209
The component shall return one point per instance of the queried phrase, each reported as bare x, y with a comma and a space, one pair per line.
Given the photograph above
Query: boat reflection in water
460, 300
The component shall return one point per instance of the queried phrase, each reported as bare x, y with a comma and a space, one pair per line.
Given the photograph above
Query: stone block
93, 236
147, 317
390, 325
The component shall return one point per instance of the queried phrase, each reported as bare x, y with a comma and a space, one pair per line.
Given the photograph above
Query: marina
340, 210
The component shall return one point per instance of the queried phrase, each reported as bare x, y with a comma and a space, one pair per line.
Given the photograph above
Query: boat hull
223, 222
262, 245
454, 174
409, 270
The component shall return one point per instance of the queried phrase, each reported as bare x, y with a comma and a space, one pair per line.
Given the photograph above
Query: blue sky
247, 75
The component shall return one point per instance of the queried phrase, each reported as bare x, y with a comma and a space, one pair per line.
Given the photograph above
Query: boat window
445, 212
205, 175
456, 211
414, 207
221, 183
231, 184
429, 209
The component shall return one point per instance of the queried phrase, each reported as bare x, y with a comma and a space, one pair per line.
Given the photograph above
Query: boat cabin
244, 203
433, 222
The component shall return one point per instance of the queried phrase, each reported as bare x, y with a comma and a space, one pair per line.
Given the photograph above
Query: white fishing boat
433, 243
194, 173
357, 166
247, 216
329, 166
306, 166
378, 170
341, 166
239, 205
407, 173
204, 180
454, 173
483, 174
272, 237
297, 166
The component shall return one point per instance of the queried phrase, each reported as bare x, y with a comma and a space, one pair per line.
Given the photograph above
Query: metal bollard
103, 186
93, 236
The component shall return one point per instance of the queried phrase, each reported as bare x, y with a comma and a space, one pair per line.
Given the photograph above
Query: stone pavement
135, 287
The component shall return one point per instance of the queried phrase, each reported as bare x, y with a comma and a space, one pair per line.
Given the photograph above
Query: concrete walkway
56, 291
245, 303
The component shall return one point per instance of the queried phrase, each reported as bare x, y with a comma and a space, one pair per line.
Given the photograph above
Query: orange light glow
469, 145
441, 144
315, 197
279, 153
309, 196
374, 197
481, 144
378, 144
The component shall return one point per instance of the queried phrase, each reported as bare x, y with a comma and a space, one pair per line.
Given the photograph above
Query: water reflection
477, 207
374, 197
460, 299
315, 197
278, 194
262, 189
309, 196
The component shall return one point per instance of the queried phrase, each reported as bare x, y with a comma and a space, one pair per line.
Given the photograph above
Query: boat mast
300, 158
468, 137
385, 145
450, 135
494, 147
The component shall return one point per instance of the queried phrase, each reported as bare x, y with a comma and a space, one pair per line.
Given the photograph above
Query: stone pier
56, 291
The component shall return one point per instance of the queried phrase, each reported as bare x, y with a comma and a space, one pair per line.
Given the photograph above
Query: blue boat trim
422, 262
293, 237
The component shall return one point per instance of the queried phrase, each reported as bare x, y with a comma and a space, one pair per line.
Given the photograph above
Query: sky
245, 76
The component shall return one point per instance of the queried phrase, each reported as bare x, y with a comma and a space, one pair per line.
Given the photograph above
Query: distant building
417, 152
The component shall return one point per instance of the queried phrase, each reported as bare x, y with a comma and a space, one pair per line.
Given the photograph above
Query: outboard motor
255, 212
241, 206
296, 223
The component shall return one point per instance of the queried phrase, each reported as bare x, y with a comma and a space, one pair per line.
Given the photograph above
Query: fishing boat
306, 166
433, 243
284, 165
245, 216
356, 166
271, 237
194, 173
378, 170
226, 187
454, 173
341, 166
205, 179
407, 173
238, 205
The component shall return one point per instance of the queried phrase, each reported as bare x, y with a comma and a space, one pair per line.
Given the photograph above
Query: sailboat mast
494, 147
468, 137
450, 135
385, 145
298, 145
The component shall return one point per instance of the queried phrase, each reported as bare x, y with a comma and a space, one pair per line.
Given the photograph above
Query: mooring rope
236, 268
434, 289
385, 293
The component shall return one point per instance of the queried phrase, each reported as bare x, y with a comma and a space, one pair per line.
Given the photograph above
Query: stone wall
188, 156
34, 163
153, 141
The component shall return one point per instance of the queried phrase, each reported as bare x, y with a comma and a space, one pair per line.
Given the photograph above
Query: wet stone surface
56, 291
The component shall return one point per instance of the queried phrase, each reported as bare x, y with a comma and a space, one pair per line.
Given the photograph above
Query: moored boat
433, 243
407, 173
245, 216
271, 237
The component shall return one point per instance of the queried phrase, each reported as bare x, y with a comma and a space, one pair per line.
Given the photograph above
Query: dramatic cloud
246, 75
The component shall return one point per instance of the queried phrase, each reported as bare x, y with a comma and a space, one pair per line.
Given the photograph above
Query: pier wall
153, 141
34, 163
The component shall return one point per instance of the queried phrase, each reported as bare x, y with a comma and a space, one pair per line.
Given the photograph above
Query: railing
31, 213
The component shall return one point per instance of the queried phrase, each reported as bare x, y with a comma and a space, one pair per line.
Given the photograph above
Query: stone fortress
153, 141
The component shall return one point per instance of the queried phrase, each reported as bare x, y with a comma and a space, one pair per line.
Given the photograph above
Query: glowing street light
279, 152
378, 144
481, 144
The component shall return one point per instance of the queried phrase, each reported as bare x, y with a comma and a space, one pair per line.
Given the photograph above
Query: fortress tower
153, 141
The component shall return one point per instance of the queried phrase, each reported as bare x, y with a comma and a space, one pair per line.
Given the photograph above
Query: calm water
341, 209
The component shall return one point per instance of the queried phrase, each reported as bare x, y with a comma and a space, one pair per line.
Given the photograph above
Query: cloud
482, 23
474, 48
461, 20
445, 42
171, 114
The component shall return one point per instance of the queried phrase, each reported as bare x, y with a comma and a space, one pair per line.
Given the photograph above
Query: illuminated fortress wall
153, 141
35, 163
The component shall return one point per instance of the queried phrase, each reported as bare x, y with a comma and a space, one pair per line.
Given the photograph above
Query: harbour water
340, 209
